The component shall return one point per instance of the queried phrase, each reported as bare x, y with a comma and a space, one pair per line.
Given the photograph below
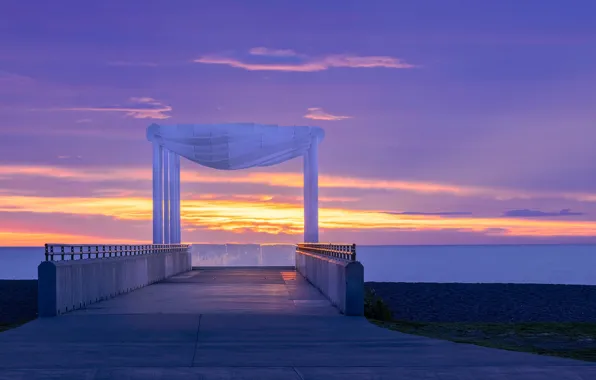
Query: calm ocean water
558, 264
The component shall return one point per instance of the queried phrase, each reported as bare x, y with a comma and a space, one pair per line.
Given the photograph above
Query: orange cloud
30, 239
261, 197
282, 218
293, 180
141, 108
279, 61
318, 114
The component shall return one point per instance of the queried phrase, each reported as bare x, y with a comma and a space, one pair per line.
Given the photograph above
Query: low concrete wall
341, 281
68, 285
243, 255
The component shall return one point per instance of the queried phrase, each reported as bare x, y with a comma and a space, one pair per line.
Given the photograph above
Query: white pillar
173, 196
176, 181
311, 193
157, 194
166, 197
306, 197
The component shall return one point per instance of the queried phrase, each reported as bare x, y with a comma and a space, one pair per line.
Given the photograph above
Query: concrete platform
246, 324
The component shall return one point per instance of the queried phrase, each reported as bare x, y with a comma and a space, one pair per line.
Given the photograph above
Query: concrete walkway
247, 324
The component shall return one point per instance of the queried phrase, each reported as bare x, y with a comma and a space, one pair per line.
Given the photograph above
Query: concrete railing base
341, 281
64, 286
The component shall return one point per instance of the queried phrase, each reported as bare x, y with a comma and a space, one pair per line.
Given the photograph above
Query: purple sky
495, 98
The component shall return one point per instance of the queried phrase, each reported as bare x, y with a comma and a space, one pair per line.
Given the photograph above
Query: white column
173, 196
166, 197
306, 197
157, 194
176, 179
311, 193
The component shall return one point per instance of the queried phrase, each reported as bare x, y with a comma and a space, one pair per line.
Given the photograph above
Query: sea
539, 264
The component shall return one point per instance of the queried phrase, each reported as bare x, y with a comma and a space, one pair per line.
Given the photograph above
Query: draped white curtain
229, 147
235, 146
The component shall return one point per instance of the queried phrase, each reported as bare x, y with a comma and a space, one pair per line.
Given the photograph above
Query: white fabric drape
228, 147
235, 146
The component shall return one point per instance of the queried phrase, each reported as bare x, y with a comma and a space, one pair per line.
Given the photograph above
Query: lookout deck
246, 324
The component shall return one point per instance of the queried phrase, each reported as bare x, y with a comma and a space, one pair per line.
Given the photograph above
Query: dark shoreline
18, 301
498, 303
421, 302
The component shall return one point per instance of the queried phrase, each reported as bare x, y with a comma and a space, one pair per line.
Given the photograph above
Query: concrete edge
350, 300
49, 283
244, 267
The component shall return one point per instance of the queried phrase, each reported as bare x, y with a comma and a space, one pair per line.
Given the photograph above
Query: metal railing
58, 252
339, 251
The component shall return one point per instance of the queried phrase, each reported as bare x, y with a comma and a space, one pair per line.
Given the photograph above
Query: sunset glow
444, 124
240, 215
280, 179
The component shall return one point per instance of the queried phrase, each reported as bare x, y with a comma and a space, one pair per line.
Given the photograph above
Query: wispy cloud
537, 213
273, 52
10, 237
316, 113
12, 83
69, 157
265, 59
7, 77
138, 108
283, 179
280, 179
238, 216
81, 121
132, 64
447, 213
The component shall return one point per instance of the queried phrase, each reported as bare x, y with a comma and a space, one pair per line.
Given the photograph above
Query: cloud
536, 213
265, 59
6, 77
273, 52
139, 108
68, 157
318, 114
11, 83
280, 179
80, 121
239, 215
447, 213
38, 238
132, 64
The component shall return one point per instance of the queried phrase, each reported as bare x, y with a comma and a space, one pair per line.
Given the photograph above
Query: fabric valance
235, 146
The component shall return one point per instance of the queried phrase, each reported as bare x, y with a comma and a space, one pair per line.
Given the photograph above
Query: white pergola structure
228, 147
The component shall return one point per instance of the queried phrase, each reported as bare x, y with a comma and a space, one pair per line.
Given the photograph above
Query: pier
111, 311
245, 323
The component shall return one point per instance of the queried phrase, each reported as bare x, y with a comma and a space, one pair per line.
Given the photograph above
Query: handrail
59, 252
338, 251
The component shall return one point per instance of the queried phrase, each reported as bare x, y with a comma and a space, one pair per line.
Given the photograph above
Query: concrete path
258, 324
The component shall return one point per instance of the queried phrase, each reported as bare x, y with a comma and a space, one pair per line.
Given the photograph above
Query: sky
447, 121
